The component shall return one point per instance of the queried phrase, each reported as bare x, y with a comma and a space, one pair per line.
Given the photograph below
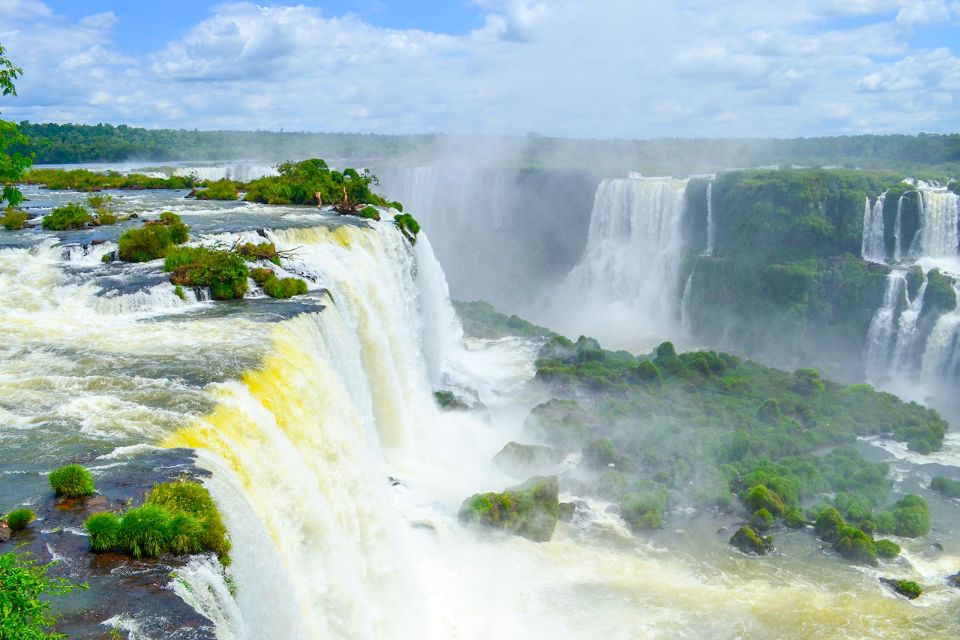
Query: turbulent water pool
339, 478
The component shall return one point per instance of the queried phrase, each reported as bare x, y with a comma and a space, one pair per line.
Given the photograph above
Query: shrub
224, 272
153, 240
72, 481
760, 497
396, 205
749, 541
18, 519
369, 213
24, 605
761, 520
13, 219
144, 532
854, 544
909, 517
68, 216
103, 529
192, 499
795, 519
186, 534
828, 524
947, 487
284, 287
887, 549
220, 190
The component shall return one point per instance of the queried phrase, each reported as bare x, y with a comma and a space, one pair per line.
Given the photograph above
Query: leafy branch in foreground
23, 614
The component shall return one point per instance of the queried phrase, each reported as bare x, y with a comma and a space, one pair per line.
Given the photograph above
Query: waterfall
298, 446
941, 357
872, 247
898, 231
623, 290
685, 304
711, 229
940, 216
892, 338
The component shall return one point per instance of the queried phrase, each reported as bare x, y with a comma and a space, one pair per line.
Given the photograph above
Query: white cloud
625, 68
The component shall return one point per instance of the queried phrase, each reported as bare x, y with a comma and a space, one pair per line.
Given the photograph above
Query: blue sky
582, 68
144, 26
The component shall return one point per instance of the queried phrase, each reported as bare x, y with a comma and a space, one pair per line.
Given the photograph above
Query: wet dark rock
565, 511
4, 532
954, 580
119, 585
525, 460
262, 232
528, 510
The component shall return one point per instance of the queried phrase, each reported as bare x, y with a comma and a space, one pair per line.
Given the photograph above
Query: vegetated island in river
709, 430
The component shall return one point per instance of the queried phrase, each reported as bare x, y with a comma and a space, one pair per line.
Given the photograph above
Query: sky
574, 68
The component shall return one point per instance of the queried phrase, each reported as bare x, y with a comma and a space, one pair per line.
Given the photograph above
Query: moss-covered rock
760, 497
562, 423
224, 272
906, 588
565, 511
749, 541
643, 507
887, 549
795, 519
761, 520
853, 544
450, 401
525, 460
528, 510
828, 524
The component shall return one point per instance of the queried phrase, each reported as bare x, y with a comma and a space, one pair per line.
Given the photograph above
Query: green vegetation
529, 510
224, 272
14, 158
706, 427
72, 481
263, 251
947, 487
86, 180
19, 519
887, 549
278, 287
481, 320
104, 531
25, 589
312, 182
177, 517
449, 401
749, 541
906, 588
407, 225
68, 216
154, 239
220, 190
370, 213
13, 219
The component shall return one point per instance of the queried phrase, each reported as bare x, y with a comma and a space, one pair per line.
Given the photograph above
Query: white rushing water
623, 291
892, 338
872, 248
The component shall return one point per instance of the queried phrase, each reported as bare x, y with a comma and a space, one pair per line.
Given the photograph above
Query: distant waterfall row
934, 233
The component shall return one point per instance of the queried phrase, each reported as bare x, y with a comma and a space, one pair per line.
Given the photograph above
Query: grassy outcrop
947, 487
86, 180
219, 190
312, 182
153, 240
177, 517
481, 320
72, 481
13, 219
275, 287
20, 519
224, 272
749, 541
528, 510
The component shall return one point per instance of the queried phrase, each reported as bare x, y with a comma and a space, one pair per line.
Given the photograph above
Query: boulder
567, 509
528, 510
5, 532
954, 580
749, 541
525, 460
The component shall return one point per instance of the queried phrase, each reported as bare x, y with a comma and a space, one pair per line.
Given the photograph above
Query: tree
25, 606
12, 165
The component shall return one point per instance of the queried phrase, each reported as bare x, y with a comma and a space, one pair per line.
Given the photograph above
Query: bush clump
749, 541
104, 530
278, 287
887, 549
14, 219
369, 213
856, 545
176, 517
407, 225
72, 481
947, 487
906, 588
68, 216
760, 497
19, 519
154, 239
224, 272
224, 189
761, 520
